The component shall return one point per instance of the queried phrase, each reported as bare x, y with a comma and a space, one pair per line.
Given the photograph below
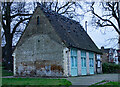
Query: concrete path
89, 80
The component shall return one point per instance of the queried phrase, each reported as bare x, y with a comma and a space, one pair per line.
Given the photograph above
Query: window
84, 62
76, 61
98, 63
74, 57
38, 20
72, 61
98, 56
91, 59
83, 58
98, 60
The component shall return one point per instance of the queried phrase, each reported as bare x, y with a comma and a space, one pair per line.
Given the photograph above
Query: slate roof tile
70, 31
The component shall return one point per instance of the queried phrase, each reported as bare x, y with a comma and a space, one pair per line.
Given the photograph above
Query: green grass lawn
108, 84
6, 73
113, 83
35, 82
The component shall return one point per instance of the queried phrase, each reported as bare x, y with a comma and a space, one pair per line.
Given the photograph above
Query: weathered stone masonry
34, 53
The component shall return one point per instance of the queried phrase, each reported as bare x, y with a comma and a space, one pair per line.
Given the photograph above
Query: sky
106, 36
101, 39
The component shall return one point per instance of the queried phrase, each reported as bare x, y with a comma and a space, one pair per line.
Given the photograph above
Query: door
74, 71
83, 63
91, 63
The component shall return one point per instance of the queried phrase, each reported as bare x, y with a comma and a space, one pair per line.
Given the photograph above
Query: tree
72, 10
110, 16
10, 14
63, 8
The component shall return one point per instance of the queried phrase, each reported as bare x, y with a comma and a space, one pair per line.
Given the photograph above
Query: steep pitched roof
70, 31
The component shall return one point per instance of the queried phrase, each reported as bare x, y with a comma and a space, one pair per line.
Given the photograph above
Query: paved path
89, 80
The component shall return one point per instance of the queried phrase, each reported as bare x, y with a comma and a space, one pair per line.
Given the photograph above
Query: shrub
110, 68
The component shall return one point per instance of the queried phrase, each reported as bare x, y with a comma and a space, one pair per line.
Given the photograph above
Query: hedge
110, 68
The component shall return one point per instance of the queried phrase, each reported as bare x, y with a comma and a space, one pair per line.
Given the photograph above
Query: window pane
92, 62
84, 62
83, 53
72, 61
91, 54
76, 61
98, 56
98, 63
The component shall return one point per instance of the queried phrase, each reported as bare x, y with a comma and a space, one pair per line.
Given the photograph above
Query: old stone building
53, 45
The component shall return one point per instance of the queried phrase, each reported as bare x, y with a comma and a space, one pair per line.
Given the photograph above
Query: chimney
86, 26
102, 48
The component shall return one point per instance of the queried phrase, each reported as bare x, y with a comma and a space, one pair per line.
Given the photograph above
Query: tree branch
114, 13
14, 29
118, 31
4, 26
63, 7
66, 9
13, 16
56, 6
103, 25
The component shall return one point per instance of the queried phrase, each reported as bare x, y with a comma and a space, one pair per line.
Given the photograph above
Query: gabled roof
71, 32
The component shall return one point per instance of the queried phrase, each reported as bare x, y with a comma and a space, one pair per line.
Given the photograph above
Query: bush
110, 68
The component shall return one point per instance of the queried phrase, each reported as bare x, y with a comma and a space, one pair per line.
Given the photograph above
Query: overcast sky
101, 36
101, 39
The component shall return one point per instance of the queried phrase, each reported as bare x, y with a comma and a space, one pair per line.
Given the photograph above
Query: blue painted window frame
91, 59
83, 58
74, 56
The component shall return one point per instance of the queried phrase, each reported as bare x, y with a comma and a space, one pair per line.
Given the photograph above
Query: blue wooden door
91, 63
83, 63
74, 71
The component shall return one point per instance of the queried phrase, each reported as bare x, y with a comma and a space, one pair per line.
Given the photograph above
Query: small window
38, 20
98, 64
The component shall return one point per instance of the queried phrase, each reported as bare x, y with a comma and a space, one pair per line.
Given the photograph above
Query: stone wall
40, 50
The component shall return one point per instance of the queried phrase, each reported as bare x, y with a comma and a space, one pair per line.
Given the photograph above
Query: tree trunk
8, 38
119, 29
0, 35
8, 53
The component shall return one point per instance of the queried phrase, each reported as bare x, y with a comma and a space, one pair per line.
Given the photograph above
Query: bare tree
66, 8
13, 14
72, 10
110, 16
